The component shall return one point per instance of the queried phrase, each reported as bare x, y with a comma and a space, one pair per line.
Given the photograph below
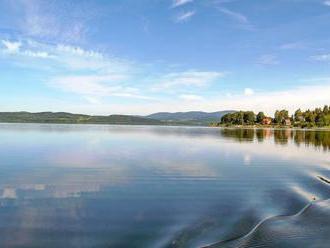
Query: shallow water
138, 186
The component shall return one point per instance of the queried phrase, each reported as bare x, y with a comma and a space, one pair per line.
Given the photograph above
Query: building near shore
286, 122
266, 121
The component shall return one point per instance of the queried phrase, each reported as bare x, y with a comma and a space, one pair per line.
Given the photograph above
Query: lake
150, 186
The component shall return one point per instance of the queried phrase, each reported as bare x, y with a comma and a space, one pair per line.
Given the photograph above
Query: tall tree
260, 117
249, 117
298, 115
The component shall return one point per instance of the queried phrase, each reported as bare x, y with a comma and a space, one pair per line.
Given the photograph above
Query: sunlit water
138, 186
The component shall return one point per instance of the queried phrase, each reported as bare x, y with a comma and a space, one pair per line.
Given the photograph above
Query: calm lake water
139, 186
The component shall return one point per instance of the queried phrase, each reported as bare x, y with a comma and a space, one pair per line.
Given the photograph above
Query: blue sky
139, 57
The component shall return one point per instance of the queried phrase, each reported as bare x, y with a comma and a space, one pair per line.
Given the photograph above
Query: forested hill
62, 117
193, 118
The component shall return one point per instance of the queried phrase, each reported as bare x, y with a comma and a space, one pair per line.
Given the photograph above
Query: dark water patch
323, 179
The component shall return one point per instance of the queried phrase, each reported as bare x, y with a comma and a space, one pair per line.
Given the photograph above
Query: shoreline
178, 125
273, 127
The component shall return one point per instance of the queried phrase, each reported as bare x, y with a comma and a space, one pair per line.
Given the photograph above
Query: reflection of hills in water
308, 228
317, 138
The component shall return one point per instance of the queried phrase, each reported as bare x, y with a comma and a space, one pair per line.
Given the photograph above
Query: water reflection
123, 186
316, 138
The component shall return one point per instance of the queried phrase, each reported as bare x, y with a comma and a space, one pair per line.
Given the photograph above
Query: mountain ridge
193, 118
190, 116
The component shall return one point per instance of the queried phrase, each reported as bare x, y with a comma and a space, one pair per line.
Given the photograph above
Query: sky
139, 57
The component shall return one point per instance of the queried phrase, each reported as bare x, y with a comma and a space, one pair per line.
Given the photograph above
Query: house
286, 122
300, 118
266, 121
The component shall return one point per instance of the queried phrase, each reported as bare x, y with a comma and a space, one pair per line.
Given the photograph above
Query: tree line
319, 117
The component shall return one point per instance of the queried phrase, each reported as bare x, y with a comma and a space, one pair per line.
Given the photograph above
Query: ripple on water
308, 228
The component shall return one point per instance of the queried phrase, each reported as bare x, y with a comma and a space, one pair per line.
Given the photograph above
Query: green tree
310, 116
298, 115
280, 116
249, 117
260, 117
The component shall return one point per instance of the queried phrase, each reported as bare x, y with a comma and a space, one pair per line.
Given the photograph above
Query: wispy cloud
95, 75
53, 20
76, 70
188, 79
268, 59
94, 86
190, 97
321, 57
234, 15
292, 46
327, 3
238, 17
177, 3
184, 17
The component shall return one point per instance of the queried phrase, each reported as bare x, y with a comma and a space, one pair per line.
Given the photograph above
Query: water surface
139, 186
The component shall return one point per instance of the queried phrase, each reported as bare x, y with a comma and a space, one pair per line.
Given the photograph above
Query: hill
62, 117
190, 118
193, 118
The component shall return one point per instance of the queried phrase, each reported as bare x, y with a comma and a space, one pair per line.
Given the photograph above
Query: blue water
140, 186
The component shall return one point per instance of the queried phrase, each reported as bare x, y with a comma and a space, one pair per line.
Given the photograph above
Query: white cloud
268, 59
183, 17
91, 85
95, 77
248, 92
309, 96
190, 97
78, 51
321, 57
327, 3
77, 58
76, 70
11, 46
177, 3
16, 47
38, 54
92, 74
304, 97
188, 79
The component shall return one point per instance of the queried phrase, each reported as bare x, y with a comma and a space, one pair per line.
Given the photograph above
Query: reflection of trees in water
316, 138
240, 134
282, 136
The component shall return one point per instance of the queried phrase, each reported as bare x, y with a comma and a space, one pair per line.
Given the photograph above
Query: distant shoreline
180, 125
276, 127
